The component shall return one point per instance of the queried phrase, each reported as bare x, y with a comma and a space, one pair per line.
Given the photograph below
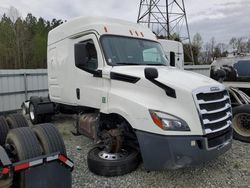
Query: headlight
168, 122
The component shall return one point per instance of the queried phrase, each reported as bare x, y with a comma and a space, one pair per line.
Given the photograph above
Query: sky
222, 19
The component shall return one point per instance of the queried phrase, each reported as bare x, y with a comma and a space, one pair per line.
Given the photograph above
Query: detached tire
109, 168
4, 129
241, 123
49, 138
16, 120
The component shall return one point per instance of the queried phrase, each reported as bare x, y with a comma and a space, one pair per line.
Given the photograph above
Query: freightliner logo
214, 89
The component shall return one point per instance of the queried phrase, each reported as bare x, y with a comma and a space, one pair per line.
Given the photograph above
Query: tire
4, 129
24, 110
49, 138
241, 123
34, 117
6, 183
26, 146
16, 120
109, 168
24, 141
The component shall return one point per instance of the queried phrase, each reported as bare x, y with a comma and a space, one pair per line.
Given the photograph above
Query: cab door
88, 71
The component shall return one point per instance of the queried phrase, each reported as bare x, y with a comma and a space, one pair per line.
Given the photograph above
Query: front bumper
172, 152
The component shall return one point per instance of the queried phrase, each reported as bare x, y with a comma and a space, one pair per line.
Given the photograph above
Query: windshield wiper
126, 63
157, 64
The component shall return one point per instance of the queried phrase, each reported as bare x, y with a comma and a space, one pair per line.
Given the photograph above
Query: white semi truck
114, 75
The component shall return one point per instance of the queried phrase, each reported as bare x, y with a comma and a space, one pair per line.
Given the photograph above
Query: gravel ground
230, 170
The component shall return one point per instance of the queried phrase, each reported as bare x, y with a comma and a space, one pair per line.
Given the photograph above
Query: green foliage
23, 42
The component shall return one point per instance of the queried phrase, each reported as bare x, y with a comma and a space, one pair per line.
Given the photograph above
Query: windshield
132, 51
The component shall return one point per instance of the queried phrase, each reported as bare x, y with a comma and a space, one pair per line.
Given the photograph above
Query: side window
86, 55
151, 55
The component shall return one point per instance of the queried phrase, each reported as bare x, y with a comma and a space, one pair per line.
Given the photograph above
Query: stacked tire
25, 146
13, 121
49, 138
26, 143
4, 129
16, 121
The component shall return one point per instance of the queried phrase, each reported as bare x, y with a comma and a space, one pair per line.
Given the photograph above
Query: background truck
32, 157
234, 73
115, 76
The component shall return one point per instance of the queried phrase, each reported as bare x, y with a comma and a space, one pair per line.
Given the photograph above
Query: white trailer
174, 52
115, 76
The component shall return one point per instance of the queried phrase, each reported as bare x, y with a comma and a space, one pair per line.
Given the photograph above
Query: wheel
49, 138
16, 121
116, 164
4, 128
241, 123
24, 109
23, 145
34, 117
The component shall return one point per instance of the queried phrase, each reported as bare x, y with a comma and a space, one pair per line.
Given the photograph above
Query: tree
239, 45
196, 47
23, 42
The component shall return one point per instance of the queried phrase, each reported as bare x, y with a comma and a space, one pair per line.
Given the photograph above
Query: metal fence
17, 86
201, 69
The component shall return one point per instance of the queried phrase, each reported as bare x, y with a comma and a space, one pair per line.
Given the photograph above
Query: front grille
214, 106
211, 96
215, 139
214, 109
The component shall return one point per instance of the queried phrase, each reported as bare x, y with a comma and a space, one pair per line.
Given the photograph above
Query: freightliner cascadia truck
115, 77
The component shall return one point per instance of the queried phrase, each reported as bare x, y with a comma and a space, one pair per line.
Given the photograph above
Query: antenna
166, 18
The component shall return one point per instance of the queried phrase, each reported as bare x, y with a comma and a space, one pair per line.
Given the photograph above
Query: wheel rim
32, 113
241, 124
23, 110
113, 156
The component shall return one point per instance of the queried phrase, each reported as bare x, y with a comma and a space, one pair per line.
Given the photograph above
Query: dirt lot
229, 170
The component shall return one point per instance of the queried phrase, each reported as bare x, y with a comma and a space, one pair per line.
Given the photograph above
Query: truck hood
170, 76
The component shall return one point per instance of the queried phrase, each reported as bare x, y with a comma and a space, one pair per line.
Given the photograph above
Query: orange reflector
131, 32
5, 171
105, 29
142, 34
156, 120
21, 166
136, 33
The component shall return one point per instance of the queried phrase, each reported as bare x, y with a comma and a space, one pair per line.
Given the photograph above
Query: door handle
78, 93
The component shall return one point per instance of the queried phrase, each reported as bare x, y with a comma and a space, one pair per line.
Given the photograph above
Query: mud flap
50, 175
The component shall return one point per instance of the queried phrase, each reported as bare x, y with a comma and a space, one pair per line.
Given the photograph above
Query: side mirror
151, 73
172, 59
81, 55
